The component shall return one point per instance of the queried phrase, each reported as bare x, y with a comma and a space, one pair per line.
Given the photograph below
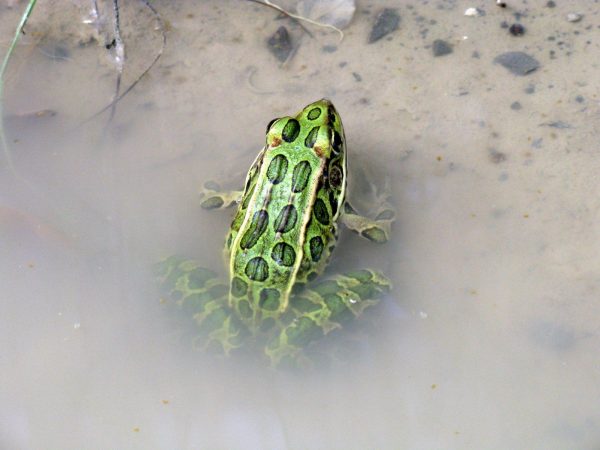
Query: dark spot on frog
335, 176
291, 130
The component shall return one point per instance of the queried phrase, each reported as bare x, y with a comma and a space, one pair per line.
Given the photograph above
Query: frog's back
285, 226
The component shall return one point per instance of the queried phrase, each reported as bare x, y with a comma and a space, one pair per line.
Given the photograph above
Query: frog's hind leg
214, 198
198, 293
318, 310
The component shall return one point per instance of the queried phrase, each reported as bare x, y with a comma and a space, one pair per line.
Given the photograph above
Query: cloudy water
482, 122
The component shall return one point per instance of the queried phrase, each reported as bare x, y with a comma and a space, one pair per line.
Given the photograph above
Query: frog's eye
271, 124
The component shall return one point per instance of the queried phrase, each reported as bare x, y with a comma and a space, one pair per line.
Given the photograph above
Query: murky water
490, 338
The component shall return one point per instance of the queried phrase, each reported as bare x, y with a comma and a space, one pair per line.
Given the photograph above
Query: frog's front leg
214, 198
376, 230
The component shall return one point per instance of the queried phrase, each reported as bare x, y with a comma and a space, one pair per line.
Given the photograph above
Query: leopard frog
280, 240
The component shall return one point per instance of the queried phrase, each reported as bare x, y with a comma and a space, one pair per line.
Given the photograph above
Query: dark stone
56, 52
496, 157
518, 63
329, 48
530, 89
551, 4
559, 124
356, 76
280, 44
515, 106
579, 99
387, 22
516, 29
441, 48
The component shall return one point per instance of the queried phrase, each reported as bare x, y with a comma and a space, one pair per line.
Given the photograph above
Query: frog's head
317, 126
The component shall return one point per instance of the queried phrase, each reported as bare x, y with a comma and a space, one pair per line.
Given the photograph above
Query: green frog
280, 240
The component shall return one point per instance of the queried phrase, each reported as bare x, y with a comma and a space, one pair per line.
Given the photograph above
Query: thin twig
284, 12
299, 18
150, 66
119, 57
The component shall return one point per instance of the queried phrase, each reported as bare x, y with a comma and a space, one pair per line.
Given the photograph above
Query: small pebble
473, 12
518, 63
501, 4
441, 48
579, 99
530, 89
516, 29
515, 106
387, 22
356, 76
329, 48
551, 4
574, 17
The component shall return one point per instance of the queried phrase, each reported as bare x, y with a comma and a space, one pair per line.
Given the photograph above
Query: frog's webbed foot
377, 229
214, 198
